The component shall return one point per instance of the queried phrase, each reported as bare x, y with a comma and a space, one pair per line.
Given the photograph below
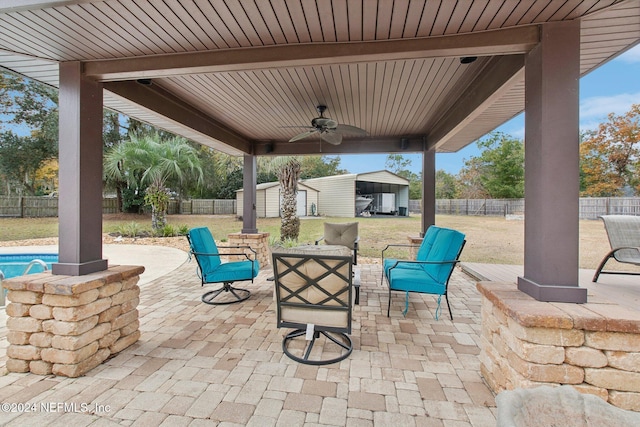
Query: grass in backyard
489, 239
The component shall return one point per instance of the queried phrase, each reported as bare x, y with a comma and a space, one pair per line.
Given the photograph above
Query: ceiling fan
329, 130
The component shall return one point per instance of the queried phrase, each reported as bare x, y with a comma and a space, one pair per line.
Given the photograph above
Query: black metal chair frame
336, 335
239, 294
446, 285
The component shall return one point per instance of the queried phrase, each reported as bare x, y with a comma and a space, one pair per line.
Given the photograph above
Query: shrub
183, 230
131, 229
167, 231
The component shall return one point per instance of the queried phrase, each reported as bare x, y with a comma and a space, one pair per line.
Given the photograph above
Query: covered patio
420, 76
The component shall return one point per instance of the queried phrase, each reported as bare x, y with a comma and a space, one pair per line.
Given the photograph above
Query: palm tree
146, 160
287, 169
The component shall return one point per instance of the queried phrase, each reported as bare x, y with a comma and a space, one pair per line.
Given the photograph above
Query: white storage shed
268, 200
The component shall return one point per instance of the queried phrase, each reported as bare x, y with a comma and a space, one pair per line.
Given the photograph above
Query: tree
446, 185
146, 162
21, 157
610, 156
319, 166
30, 110
499, 170
397, 163
288, 170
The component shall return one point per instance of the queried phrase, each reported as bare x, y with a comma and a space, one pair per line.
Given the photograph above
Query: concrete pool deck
157, 260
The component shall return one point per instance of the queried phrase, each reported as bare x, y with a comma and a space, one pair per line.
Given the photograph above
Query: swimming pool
13, 265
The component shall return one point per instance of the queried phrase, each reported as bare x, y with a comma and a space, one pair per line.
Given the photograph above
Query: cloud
631, 56
597, 108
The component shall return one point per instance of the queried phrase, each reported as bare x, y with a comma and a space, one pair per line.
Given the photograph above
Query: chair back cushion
427, 243
201, 241
344, 234
440, 244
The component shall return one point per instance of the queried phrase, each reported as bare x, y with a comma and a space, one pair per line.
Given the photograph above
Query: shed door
301, 203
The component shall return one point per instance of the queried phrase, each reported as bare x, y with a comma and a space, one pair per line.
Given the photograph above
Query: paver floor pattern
202, 365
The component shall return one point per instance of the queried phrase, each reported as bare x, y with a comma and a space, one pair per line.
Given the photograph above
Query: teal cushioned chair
211, 269
430, 272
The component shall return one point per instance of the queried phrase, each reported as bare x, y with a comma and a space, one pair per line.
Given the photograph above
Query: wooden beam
509, 41
164, 103
490, 84
412, 144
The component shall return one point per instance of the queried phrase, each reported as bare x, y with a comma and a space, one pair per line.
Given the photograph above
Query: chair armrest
203, 254
238, 247
319, 240
455, 261
393, 245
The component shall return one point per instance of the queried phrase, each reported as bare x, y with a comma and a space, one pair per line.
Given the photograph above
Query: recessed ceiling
240, 75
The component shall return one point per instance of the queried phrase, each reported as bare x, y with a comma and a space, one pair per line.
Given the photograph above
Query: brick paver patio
202, 365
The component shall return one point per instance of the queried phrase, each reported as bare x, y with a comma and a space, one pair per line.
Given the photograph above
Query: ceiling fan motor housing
324, 123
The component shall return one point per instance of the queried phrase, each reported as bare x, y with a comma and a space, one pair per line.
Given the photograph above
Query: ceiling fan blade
303, 135
351, 129
331, 137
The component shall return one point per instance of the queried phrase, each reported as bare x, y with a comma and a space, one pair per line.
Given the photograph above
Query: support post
80, 174
552, 72
249, 180
428, 189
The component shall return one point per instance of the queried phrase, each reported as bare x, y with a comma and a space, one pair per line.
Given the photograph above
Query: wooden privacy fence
590, 207
37, 207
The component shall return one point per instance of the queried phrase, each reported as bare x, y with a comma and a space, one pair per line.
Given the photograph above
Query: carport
388, 194
420, 76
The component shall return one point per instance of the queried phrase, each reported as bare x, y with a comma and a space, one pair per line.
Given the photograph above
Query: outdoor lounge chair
430, 272
624, 238
344, 234
314, 297
211, 269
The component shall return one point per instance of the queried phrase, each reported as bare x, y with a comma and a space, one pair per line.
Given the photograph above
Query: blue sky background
612, 88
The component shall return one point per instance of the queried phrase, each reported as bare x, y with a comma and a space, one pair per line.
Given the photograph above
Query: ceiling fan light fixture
468, 59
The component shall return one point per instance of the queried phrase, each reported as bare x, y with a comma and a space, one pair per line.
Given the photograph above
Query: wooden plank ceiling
239, 75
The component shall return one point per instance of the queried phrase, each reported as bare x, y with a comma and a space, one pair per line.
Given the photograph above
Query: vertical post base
552, 293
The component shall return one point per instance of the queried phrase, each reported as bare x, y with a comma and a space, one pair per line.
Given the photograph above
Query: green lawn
489, 239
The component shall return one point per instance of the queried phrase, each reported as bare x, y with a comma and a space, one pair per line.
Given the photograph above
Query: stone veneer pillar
414, 243
525, 343
68, 325
259, 242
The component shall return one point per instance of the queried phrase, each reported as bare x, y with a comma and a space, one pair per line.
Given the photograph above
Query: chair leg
389, 305
232, 294
446, 296
600, 267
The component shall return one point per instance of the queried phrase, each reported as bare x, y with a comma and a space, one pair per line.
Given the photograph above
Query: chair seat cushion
415, 280
317, 316
390, 262
233, 271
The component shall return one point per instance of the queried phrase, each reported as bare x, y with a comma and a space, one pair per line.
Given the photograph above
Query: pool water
13, 265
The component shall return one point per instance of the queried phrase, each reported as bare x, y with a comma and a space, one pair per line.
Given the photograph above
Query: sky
612, 88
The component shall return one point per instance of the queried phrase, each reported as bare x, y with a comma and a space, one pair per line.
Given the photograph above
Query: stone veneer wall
525, 343
259, 242
67, 325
